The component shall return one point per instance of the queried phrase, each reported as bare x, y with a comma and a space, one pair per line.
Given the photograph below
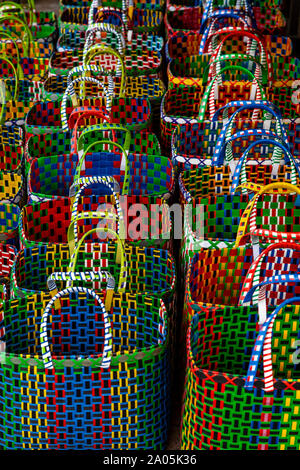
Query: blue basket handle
263, 346
221, 157
45, 348
240, 170
81, 184
266, 106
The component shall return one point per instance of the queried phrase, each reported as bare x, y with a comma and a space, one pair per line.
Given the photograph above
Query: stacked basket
126, 125
88, 322
229, 121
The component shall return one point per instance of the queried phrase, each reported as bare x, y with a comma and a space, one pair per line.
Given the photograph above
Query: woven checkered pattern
52, 177
76, 39
130, 399
48, 222
208, 181
193, 145
189, 19
181, 105
76, 18
186, 43
36, 49
149, 270
33, 68
137, 63
190, 70
9, 221
43, 33
11, 187
218, 412
138, 87
45, 117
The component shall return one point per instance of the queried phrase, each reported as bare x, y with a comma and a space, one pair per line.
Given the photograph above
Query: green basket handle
124, 162
120, 255
98, 49
45, 349
261, 73
29, 37
207, 96
71, 276
71, 92
107, 28
105, 127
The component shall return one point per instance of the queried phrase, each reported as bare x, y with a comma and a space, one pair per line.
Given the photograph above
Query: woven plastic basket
107, 363
253, 411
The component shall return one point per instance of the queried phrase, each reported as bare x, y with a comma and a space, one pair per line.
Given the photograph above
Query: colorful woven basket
48, 221
193, 145
248, 412
183, 44
63, 143
267, 19
181, 105
223, 221
77, 18
107, 363
9, 223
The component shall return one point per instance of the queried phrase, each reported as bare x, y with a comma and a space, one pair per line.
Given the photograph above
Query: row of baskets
229, 123
88, 317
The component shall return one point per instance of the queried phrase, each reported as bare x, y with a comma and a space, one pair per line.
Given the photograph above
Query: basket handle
261, 73
250, 286
226, 131
29, 38
240, 171
208, 42
249, 214
210, 15
81, 69
46, 353
124, 165
209, 8
208, 96
9, 8
264, 56
3, 90
79, 187
261, 287
7, 34
81, 116
263, 345
120, 255
70, 92
99, 49
103, 12
104, 27
102, 128
224, 154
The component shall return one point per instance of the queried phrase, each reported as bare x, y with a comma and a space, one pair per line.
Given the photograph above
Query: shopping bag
90, 359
